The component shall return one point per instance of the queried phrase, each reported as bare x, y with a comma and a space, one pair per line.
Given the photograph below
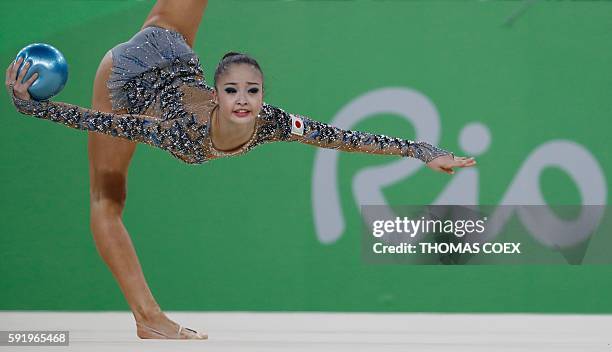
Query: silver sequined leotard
157, 79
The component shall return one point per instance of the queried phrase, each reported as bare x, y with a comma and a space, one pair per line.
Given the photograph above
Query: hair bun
234, 58
231, 53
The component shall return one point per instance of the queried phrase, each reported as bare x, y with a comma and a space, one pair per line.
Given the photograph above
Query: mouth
242, 112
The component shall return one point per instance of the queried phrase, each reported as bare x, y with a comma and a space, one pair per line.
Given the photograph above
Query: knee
108, 189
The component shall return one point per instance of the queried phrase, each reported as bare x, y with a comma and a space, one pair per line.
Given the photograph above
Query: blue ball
51, 67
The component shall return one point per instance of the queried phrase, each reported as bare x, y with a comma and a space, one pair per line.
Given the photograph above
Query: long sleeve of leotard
178, 136
292, 127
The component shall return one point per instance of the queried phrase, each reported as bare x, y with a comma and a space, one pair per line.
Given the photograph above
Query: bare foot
161, 327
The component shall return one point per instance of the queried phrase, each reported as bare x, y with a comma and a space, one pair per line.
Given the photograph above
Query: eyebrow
237, 83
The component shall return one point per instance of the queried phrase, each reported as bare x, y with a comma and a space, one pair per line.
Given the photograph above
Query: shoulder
272, 113
274, 123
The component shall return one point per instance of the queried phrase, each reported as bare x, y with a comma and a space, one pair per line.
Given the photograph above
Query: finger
447, 170
10, 76
8, 72
23, 72
14, 69
31, 80
466, 162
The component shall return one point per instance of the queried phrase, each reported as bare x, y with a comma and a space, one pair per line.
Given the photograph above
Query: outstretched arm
292, 127
178, 136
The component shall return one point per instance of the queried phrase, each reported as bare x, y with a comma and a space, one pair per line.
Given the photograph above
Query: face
239, 93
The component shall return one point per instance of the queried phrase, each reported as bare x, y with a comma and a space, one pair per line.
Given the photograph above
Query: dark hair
232, 58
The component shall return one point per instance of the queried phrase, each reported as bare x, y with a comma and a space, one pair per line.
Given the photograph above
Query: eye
254, 90
230, 90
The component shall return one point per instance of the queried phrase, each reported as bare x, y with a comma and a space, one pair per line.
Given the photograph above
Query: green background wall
238, 234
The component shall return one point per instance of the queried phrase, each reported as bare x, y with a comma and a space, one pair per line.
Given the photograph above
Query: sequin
158, 79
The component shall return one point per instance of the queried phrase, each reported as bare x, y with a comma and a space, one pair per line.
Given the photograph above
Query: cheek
258, 104
257, 99
226, 100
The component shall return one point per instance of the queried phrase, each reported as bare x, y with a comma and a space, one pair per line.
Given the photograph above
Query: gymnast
151, 89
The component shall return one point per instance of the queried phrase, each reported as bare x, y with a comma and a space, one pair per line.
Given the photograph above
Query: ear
215, 98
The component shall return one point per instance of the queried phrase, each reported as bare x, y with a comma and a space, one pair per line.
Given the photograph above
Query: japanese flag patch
297, 125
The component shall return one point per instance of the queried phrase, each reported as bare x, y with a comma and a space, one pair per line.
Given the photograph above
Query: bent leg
109, 159
182, 16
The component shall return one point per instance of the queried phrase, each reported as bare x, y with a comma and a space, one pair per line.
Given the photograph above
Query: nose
241, 99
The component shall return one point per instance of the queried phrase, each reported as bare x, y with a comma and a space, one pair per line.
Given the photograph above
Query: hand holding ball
49, 64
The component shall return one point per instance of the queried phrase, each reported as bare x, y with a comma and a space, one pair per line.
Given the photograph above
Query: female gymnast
151, 90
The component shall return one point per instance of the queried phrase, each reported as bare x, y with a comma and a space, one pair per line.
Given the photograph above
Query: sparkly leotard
157, 78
